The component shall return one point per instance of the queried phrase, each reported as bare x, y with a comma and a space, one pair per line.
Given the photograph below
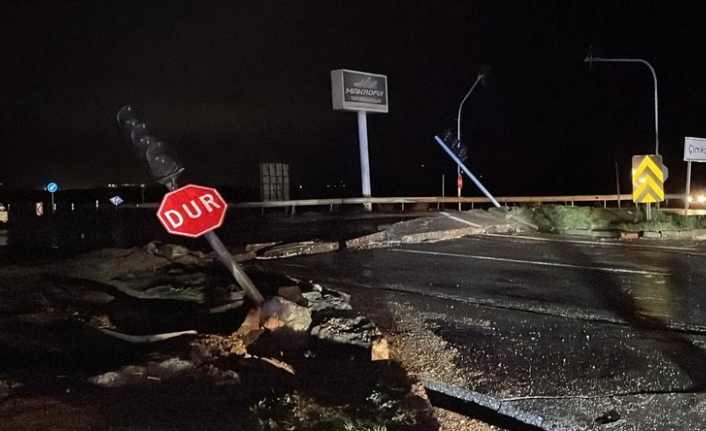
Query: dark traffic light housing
164, 167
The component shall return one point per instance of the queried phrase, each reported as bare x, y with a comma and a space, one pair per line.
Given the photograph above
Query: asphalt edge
495, 409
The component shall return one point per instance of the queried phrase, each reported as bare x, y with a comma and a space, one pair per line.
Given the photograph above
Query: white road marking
601, 243
533, 262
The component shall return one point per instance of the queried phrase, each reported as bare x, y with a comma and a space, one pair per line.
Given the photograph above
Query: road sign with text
694, 149
192, 211
647, 179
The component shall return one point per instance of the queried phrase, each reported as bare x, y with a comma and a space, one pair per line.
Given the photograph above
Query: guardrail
571, 199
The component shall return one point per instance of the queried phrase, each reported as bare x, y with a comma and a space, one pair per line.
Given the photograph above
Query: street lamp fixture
654, 77
483, 74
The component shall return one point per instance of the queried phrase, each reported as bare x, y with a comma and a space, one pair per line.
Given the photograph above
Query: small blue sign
52, 187
116, 200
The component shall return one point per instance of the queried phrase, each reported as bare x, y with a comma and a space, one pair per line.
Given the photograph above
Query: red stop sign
192, 211
460, 181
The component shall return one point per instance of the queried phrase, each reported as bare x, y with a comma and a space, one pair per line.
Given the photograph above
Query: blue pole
465, 169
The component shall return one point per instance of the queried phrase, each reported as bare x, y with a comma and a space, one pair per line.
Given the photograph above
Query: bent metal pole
227, 260
465, 169
165, 170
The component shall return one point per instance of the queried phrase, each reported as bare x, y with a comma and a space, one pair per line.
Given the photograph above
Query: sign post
694, 151
203, 208
647, 181
459, 185
360, 92
52, 188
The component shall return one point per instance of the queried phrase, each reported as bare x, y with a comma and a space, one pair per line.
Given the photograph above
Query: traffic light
163, 166
455, 145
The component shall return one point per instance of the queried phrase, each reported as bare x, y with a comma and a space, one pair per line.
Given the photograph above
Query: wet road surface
567, 328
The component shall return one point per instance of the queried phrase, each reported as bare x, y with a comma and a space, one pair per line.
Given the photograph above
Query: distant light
691, 199
701, 199
422, 165
328, 186
300, 186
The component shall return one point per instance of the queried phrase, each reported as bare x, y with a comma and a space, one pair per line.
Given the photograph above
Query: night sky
231, 84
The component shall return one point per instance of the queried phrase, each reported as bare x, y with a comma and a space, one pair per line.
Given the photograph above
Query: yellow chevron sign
647, 179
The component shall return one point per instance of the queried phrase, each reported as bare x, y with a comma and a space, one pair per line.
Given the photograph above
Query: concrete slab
442, 227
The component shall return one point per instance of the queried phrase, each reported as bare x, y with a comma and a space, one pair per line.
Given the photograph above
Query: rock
272, 323
175, 365
337, 293
177, 253
100, 321
131, 374
608, 417
110, 379
292, 294
380, 350
292, 315
250, 330
356, 331
173, 252
210, 347
151, 248
328, 302
324, 299
312, 296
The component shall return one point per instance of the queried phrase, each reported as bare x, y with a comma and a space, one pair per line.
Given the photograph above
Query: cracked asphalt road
569, 329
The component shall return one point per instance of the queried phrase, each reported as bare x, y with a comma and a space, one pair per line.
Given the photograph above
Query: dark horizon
230, 85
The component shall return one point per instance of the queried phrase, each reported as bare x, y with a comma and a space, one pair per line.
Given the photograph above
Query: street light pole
458, 125
654, 77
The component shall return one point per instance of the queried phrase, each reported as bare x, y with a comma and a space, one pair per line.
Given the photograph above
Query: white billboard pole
360, 92
364, 158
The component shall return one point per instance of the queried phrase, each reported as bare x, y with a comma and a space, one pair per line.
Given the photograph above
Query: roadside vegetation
554, 218
297, 412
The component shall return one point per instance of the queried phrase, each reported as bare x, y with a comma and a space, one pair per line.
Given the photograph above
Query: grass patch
298, 412
664, 222
553, 218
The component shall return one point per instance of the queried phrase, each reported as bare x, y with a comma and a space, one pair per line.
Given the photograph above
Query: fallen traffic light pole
165, 170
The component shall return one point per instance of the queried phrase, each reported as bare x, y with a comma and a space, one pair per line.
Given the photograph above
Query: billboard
358, 91
274, 182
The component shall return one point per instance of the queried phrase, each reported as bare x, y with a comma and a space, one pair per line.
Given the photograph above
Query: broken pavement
239, 367
441, 227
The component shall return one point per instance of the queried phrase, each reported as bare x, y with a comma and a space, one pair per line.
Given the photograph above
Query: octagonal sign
192, 211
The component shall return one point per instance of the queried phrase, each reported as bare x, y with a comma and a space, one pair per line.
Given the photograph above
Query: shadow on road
648, 309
